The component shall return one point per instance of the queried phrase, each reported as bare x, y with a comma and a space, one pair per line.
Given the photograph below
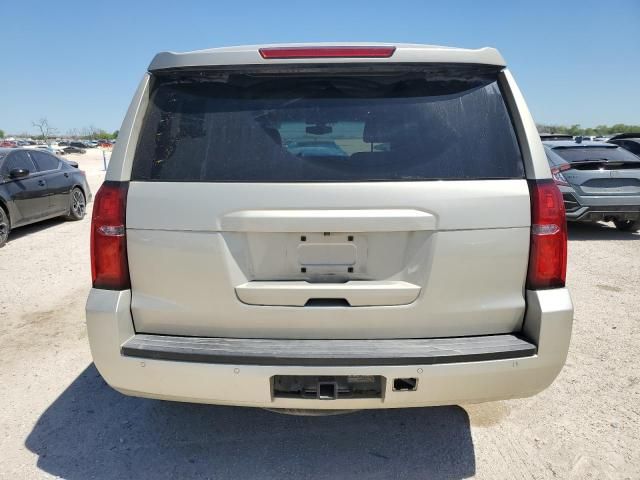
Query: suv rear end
329, 227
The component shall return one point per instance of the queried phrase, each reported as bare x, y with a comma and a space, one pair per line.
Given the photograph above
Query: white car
52, 148
329, 227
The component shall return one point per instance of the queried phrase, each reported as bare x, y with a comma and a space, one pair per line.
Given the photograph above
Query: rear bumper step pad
327, 353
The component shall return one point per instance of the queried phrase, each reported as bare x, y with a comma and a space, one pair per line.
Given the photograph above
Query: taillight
548, 254
326, 52
109, 264
558, 177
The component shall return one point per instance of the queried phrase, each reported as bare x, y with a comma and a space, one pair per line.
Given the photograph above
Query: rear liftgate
328, 204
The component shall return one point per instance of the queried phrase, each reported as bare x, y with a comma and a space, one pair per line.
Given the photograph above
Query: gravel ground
59, 419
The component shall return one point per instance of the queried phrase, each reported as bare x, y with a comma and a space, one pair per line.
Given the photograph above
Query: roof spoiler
625, 135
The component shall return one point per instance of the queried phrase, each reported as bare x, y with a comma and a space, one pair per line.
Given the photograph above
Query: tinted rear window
578, 154
44, 161
425, 125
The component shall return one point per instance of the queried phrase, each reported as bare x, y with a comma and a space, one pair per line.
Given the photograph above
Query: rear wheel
78, 205
627, 225
5, 227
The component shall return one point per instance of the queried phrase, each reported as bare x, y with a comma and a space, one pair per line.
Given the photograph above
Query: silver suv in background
598, 181
324, 226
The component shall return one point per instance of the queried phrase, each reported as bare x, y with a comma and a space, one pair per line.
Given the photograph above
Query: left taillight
558, 177
109, 263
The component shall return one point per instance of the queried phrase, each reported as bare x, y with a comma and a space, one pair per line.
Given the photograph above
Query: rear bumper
87, 190
327, 353
595, 208
503, 368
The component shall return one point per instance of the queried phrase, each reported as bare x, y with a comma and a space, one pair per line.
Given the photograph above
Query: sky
78, 63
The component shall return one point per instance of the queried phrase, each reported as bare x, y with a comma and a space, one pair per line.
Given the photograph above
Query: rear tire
627, 225
77, 205
5, 227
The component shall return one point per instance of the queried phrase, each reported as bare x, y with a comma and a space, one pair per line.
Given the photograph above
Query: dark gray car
36, 185
598, 181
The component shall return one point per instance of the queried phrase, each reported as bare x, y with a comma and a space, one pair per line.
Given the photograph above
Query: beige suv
327, 226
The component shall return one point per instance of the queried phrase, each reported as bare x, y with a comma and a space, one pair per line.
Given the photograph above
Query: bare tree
46, 130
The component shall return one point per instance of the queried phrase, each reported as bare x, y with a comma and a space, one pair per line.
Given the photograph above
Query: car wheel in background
4, 227
627, 225
78, 206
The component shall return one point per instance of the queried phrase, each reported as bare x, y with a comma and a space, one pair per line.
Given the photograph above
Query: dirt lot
59, 419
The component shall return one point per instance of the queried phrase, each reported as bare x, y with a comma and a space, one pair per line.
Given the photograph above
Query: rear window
554, 158
44, 161
327, 127
612, 154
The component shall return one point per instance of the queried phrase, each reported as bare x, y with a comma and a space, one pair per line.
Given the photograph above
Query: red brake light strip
326, 52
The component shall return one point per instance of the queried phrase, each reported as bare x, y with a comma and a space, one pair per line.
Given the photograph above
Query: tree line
45, 131
93, 133
600, 130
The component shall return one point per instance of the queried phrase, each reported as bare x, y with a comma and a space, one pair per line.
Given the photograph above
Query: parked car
36, 185
55, 149
52, 148
599, 182
71, 149
76, 144
628, 141
428, 271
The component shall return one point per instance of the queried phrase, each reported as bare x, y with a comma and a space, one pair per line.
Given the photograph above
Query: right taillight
548, 254
109, 264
